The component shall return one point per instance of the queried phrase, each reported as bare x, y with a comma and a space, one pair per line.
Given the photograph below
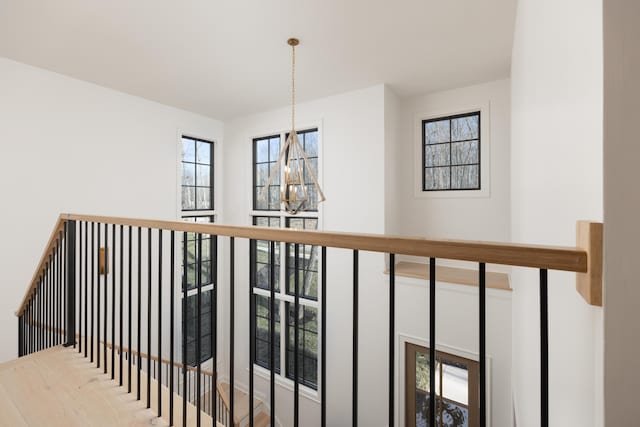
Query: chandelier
297, 170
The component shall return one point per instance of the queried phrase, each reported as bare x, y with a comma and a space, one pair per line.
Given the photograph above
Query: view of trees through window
265, 152
456, 389
451, 153
197, 206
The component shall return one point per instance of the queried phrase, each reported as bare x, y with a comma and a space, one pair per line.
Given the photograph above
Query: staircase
241, 403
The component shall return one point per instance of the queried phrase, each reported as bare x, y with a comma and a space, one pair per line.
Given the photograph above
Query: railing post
70, 321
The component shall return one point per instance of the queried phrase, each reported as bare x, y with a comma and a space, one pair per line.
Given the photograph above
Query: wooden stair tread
241, 401
262, 420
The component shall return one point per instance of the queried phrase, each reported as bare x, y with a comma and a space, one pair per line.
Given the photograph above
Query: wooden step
241, 402
262, 420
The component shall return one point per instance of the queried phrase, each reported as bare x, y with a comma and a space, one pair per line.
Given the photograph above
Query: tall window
265, 156
457, 402
451, 153
198, 206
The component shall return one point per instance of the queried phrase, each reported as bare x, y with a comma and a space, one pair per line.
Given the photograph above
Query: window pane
465, 128
274, 197
262, 174
311, 144
203, 198
188, 150
263, 332
436, 178
261, 202
436, 155
203, 176
188, 198
188, 174
436, 132
262, 150
463, 153
274, 149
464, 177
203, 152
307, 344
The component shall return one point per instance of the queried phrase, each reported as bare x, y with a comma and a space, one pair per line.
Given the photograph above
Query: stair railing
84, 252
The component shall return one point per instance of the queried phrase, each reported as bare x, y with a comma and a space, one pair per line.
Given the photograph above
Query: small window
197, 174
265, 156
457, 389
451, 153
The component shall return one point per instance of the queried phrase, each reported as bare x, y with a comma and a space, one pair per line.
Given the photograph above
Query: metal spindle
120, 334
113, 301
354, 402
544, 348
272, 330
252, 329
98, 295
171, 326
159, 322
185, 266
214, 324
86, 285
80, 292
231, 328
432, 341
198, 329
106, 305
296, 335
139, 331
323, 337
483, 344
149, 320
129, 341
392, 336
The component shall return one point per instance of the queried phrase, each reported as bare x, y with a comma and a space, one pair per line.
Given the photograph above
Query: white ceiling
225, 58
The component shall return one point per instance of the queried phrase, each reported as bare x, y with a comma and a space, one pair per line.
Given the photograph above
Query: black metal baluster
544, 348
160, 322
120, 335
171, 327
80, 293
70, 282
94, 275
231, 328
296, 337
354, 402
149, 320
86, 285
214, 324
106, 305
432, 341
129, 341
392, 337
198, 329
185, 264
483, 345
113, 302
272, 330
98, 296
139, 331
252, 330
323, 308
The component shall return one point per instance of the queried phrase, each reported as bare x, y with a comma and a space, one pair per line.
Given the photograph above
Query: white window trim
401, 341
485, 154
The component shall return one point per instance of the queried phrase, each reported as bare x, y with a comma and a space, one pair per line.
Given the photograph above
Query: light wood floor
59, 387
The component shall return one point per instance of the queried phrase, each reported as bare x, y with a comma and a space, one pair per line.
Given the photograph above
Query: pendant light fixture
299, 187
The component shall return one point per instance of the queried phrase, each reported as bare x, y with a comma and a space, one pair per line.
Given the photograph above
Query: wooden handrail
48, 249
573, 259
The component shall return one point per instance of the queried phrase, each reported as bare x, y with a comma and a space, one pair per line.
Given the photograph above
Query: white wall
621, 210
71, 146
447, 214
352, 138
556, 179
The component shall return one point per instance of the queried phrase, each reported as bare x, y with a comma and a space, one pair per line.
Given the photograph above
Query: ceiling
225, 58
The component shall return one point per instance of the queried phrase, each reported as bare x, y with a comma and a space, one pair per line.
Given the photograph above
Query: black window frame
271, 163
450, 142
196, 165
